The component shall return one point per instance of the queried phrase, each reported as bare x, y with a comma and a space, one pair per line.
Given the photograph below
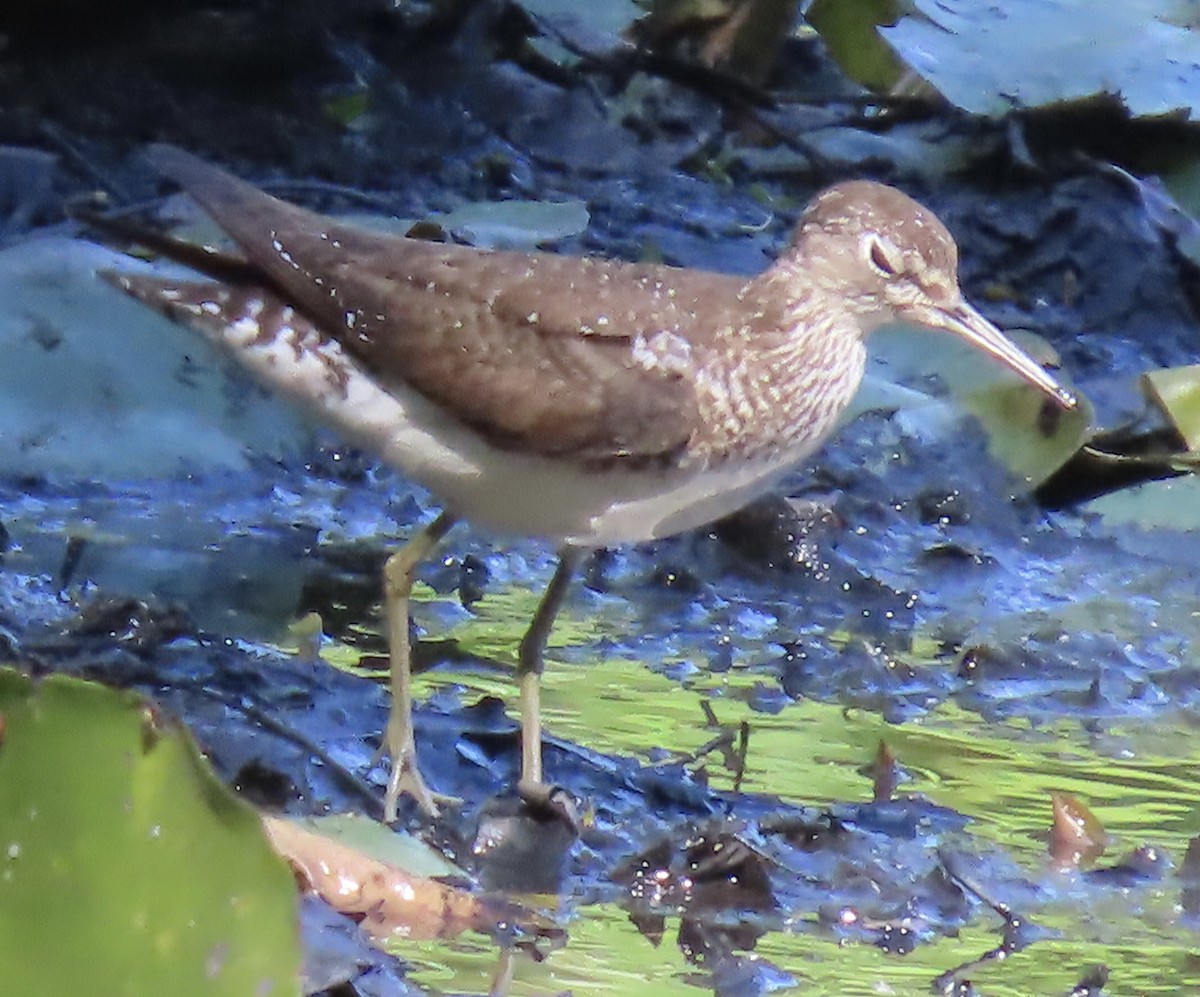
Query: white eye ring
883, 257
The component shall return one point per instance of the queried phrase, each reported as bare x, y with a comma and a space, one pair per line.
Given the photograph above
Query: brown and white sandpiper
583, 401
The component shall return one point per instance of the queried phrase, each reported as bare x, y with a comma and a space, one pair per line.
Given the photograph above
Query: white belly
523, 494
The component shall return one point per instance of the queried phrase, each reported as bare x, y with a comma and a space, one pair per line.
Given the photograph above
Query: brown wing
535, 351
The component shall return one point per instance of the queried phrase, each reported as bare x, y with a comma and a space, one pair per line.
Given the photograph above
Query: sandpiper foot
405, 776
547, 801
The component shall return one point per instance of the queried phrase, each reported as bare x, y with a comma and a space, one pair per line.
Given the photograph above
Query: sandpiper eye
881, 259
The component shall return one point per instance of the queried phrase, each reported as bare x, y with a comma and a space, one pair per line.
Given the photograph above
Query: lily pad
848, 29
128, 868
1176, 391
590, 26
1027, 433
175, 409
1172, 504
994, 58
911, 368
383, 844
514, 224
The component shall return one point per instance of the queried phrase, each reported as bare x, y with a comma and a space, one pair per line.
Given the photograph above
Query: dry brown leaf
747, 44
741, 37
388, 902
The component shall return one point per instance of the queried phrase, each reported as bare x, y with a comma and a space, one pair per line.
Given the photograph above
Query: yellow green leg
398, 743
530, 664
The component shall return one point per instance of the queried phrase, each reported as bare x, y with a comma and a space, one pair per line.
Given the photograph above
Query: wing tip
178, 164
219, 192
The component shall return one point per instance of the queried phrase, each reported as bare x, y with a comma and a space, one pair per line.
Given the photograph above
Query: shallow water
1002, 653
998, 774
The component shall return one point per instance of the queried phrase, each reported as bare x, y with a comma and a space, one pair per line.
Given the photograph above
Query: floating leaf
1026, 431
387, 901
1176, 391
515, 224
127, 864
60, 325
847, 27
383, 844
995, 58
1164, 504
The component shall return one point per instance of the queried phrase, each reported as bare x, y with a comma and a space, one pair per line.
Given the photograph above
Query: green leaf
1172, 504
847, 27
127, 867
1176, 391
384, 844
1025, 431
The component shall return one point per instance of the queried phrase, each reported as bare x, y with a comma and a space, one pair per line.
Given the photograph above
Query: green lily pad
1031, 436
1026, 431
1176, 391
127, 867
383, 844
848, 29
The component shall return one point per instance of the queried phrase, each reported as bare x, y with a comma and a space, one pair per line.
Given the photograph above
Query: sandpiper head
889, 258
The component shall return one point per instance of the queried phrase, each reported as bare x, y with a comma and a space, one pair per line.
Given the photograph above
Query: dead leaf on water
1077, 837
388, 902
